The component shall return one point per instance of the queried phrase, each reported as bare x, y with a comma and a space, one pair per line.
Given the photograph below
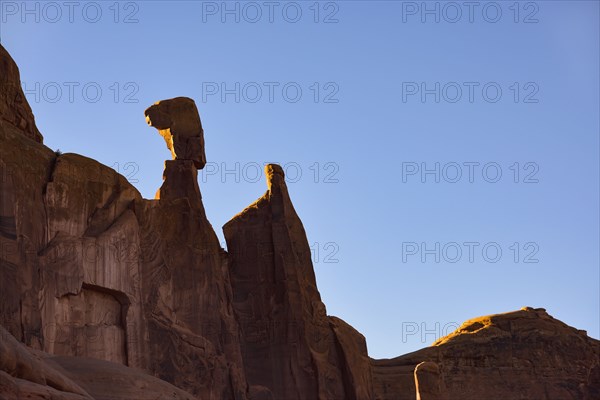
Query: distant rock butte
106, 295
524, 354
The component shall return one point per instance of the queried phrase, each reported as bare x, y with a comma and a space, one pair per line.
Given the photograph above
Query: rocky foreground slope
106, 295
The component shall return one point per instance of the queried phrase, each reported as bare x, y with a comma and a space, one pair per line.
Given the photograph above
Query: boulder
178, 122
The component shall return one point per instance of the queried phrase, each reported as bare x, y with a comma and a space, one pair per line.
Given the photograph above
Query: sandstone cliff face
90, 270
106, 295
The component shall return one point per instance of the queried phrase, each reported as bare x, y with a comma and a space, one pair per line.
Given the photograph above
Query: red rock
428, 383
355, 362
178, 122
522, 354
193, 336
23, 374
180, 182
14, 108
288, 344
29, 374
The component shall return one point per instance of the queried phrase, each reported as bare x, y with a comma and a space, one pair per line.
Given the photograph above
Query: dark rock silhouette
106, 295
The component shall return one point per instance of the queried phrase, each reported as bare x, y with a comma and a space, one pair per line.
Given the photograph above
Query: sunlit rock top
178, 122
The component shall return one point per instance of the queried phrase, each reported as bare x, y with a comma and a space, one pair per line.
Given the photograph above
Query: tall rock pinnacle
291, 348
189, 304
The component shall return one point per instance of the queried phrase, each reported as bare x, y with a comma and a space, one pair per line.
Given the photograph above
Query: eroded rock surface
24, 374
14, 108
352, 348
288, 344
30, 374
428, 382
193, 335
524, 354
178, 122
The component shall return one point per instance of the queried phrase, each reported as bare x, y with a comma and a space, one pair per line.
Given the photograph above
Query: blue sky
358, 100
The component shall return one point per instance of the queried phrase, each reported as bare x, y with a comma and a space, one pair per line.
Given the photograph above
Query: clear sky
393, 121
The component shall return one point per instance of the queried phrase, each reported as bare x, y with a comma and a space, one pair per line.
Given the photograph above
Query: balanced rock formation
178, 122
107, 295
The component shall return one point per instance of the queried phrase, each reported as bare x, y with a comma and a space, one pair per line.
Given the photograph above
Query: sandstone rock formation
524, 354
288, 345
193, 336
14, 108
428, 383
106, 295
178, 122
24, 374
90, 269
30, 374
